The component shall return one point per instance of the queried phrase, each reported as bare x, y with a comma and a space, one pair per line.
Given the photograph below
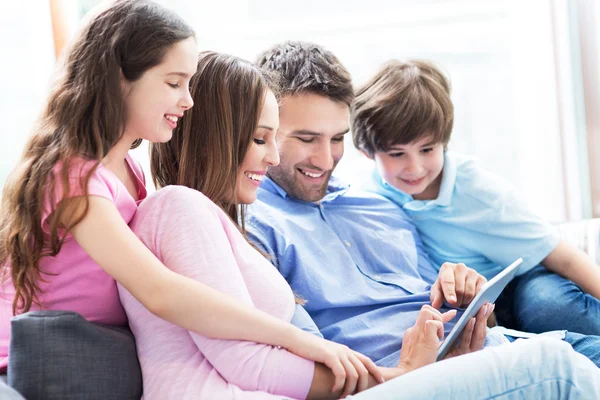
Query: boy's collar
448, 181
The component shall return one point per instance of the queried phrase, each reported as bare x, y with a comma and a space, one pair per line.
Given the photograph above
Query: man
354, 256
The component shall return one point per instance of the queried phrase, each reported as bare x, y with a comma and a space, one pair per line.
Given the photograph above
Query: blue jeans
527, 369
544, 301
587, 345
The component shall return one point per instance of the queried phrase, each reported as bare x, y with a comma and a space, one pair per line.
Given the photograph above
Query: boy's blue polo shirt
478, 219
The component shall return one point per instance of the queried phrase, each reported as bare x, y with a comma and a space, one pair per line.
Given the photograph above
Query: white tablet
487, 294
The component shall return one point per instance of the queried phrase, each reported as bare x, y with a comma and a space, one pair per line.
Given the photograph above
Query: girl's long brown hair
211, 140
83, 118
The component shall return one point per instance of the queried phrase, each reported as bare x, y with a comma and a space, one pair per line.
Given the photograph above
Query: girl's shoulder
136, 167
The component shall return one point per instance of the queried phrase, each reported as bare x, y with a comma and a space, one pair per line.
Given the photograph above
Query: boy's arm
573, 264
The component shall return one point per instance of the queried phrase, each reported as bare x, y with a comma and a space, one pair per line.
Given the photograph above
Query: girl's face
262, 154
414, 168
155, 102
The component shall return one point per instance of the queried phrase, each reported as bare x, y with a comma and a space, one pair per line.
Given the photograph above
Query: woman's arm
194, 238
190, 304
575, 265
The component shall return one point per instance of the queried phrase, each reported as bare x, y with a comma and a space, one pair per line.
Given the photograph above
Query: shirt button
347, 243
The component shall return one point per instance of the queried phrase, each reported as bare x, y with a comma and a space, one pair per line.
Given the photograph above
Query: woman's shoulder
176, 200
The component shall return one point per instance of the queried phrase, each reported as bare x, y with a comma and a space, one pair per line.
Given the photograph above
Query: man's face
311, 143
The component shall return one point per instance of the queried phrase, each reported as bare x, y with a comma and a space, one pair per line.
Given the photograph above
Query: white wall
498, 53
26, 65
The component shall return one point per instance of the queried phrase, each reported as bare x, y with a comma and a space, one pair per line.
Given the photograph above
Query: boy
402, 119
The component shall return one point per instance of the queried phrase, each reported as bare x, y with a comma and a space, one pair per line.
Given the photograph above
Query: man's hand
457, 284
473, 336
420, 343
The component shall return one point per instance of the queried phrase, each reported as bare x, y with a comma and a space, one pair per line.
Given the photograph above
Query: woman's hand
420, 343
351, 369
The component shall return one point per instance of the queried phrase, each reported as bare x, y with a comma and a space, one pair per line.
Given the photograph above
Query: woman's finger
363, 374
339, 372
351, 377
371, 367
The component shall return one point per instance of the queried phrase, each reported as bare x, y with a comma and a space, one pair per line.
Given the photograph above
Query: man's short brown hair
308, 68
404, 102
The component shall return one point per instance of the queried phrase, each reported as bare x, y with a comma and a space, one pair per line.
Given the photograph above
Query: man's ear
366, 154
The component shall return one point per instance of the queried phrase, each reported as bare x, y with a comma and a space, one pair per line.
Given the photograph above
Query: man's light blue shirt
477, 219
355, 257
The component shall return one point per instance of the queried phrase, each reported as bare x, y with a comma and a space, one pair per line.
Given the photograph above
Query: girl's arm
109, 241
193, 238
572, 263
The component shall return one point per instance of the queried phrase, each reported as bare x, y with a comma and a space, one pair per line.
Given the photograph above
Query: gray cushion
60, 355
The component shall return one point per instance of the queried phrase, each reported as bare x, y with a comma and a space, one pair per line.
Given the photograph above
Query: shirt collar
335, 188
446, 187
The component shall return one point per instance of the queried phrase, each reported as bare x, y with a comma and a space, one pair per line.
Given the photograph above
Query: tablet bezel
488, 294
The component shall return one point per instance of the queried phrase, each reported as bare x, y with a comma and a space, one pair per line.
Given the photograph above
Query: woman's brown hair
83, 118
211, 140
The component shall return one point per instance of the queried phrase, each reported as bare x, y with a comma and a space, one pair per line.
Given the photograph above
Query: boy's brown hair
404, 102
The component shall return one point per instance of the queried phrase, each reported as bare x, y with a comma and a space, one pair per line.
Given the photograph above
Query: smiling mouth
254, 177
413, 182
172, 120
311, 174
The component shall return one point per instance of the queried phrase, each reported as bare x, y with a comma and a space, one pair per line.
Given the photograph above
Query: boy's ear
366, 154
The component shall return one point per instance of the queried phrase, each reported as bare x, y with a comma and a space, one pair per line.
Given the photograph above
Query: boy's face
311, 143
414, 168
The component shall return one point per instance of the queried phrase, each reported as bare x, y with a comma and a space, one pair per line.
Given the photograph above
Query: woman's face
262, 153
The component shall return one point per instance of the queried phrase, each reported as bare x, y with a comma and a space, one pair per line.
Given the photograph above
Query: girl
64, 238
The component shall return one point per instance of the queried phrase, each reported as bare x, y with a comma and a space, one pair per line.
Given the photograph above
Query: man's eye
427, 150
338, 139
395, 154
306, 140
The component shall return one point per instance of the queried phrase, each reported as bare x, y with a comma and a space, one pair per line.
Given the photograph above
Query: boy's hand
457, 284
